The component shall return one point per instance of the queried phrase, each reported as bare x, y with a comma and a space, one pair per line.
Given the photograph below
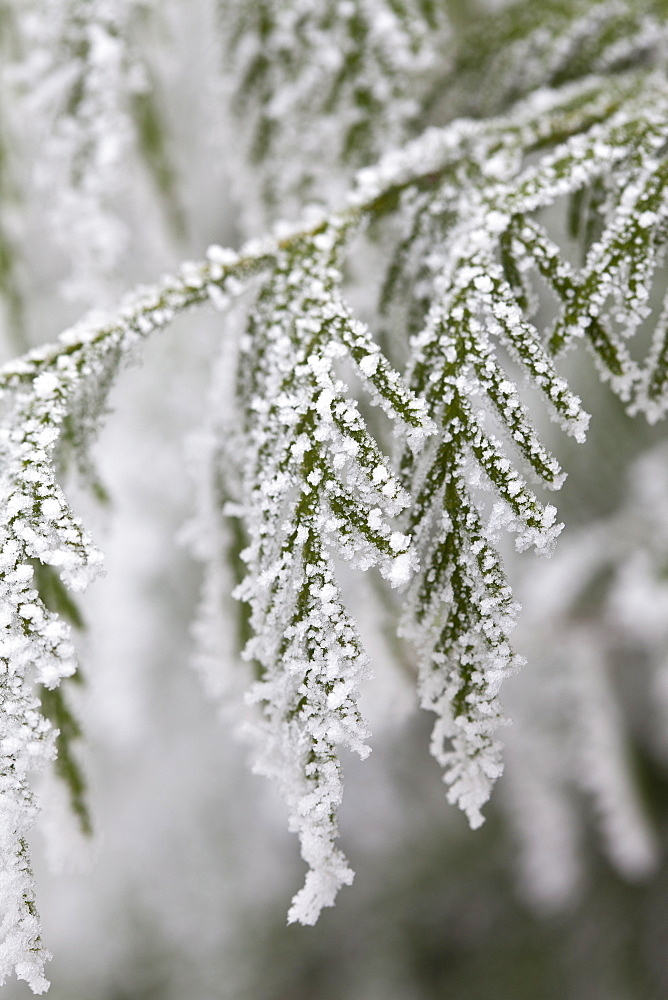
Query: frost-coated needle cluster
36, 647
481, 291
316, 485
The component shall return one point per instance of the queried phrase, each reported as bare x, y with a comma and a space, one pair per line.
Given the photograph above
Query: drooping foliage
501, 240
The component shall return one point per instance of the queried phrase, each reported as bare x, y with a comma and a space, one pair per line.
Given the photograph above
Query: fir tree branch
316, 485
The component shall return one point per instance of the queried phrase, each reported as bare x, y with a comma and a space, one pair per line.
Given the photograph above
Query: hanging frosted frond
36, 646
461, 611
318, 87
606, 300
316, 486
468, 188
40, 395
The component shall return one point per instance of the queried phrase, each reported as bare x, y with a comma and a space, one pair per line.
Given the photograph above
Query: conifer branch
472, 254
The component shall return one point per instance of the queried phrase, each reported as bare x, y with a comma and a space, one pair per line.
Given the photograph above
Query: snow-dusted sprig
315, 486
584, 133
320, 89
460, 612
36, 648
470, 180
529, 241
620, 266
50, 401
485, 242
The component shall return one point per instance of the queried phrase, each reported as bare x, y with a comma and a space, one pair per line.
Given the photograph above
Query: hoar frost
288, 466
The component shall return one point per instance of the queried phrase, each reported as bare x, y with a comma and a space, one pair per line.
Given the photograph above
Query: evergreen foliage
506, 237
